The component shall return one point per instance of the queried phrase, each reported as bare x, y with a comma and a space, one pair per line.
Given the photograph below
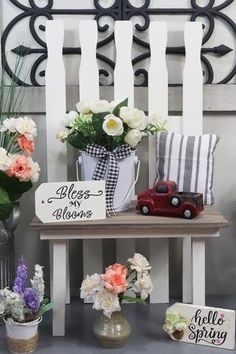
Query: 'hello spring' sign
210, 326
70, 201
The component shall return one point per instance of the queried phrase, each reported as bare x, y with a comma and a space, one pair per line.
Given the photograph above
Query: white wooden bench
158, 230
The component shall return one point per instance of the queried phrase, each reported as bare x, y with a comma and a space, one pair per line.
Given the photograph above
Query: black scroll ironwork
119, 10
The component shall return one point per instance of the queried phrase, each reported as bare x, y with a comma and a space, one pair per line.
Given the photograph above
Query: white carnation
100, 106
83, 107
34, 170
62, 135
181, 326
70, 118
154, 119
107, 302
143, 286
112, 125
9, 124
134, 118
27, 127
5, 160
90, 286
139, 263
133, 137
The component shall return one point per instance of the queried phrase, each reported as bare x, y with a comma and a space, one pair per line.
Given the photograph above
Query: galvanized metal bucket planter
7, 264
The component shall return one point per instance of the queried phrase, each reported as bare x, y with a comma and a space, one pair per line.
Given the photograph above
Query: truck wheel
188, 214
145, 210
175, 201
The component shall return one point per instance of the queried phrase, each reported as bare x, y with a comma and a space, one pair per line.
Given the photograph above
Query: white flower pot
22, 338
126, 180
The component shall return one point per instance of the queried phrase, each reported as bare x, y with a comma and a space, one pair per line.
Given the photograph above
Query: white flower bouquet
108, 290
175, 324
107, 124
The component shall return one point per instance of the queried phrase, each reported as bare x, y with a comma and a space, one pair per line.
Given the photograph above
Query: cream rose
107, 302
154, 119
27, 127
5, 161
143, 286
112, 125
83, 107
113, 105
90, 286
100, 106
134, 118
133, 137
62, 135
139, 263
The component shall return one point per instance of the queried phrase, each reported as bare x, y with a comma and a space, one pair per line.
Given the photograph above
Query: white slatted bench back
191, 122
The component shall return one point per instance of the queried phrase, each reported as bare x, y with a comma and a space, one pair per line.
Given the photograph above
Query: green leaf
45, 308
133, 299
4, 198
116, 111
13, 186
5, 210
97, 120
78, 141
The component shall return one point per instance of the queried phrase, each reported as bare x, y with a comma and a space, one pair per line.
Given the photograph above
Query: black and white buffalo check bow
108, 159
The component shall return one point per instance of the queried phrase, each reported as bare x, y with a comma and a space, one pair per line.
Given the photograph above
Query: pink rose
26, 144
20, 169
115, 278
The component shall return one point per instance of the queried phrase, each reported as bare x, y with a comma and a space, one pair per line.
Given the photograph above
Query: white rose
83, 107
181, 326
154, 119
133, 137
70, 118
9, 124
5, 161
112, 125
107, 302
27, 127
134, 118
139, 263
34, 170
143, 286
90, 286
62, 135
100, 106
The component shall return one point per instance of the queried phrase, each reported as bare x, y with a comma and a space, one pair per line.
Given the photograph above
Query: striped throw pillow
187, 160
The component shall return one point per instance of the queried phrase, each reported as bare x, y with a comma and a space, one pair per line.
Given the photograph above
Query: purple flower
21, 276
31, 298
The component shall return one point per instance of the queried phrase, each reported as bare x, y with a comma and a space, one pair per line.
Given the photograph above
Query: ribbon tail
111, 182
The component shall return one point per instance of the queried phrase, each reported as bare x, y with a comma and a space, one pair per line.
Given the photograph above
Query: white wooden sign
209, 326
70, 201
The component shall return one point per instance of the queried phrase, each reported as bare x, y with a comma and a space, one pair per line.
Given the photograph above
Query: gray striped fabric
187, 160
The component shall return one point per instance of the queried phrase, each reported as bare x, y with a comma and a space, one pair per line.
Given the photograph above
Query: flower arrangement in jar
108, 290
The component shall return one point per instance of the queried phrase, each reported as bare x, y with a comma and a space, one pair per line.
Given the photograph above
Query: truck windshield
162, 188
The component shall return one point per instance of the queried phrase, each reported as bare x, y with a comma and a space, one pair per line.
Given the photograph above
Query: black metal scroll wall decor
119, 10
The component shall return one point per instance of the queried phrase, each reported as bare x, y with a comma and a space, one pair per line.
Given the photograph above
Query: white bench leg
67, 272
59, 286
92, 258
187, 270
159, 260
198, 268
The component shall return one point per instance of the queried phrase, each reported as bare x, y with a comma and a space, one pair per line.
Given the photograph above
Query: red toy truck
164, 199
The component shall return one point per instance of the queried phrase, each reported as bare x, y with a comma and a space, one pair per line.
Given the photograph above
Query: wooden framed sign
202, 325
70, 201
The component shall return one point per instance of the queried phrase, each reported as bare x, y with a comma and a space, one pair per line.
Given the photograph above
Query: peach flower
115, 278
26, 144
20, 168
